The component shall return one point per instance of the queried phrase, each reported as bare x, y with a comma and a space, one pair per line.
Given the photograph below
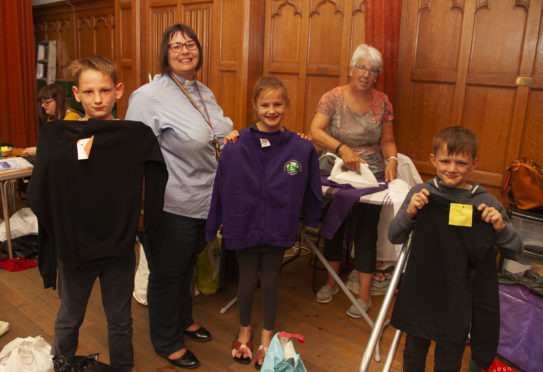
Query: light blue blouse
185, 138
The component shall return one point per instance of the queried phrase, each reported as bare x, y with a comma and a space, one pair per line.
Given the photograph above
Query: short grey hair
365, 51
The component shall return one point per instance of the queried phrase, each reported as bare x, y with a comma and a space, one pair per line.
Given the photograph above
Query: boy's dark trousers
447, 355
116, 276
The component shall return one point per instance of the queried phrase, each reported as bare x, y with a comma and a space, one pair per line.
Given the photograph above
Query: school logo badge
292, 167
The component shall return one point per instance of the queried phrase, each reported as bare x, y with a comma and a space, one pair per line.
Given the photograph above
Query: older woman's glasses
363, 69
177, 47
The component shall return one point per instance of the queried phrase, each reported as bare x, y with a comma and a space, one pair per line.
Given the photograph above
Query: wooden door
308, 44
475, 63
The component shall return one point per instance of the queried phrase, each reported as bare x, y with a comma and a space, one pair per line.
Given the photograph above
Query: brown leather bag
523, 184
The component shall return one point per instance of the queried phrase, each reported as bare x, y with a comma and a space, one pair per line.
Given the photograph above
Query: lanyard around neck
187, 94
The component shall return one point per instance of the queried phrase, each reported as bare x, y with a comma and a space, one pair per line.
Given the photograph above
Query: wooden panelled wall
462, 63
455, 67
306, 43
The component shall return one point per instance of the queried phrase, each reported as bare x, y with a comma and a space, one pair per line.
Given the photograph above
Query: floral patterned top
361, 132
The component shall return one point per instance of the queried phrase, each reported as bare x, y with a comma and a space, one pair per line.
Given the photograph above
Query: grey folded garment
528, 278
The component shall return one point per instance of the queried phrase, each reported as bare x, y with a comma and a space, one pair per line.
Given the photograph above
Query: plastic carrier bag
30, 354
207, 267
281, 356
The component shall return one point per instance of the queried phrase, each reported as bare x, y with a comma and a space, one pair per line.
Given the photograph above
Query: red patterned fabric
498, 366
382, 32
16, 264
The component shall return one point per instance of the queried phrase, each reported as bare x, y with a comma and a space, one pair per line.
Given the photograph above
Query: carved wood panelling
285, 32
358, 25
228, 101
488, 113
438, 37
128, 40
160, 19
126, 29
425, 120
325, 34
231, 44
501, 51
533, 138
460, 66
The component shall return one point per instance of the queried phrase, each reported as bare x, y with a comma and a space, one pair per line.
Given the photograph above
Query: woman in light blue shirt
189, 125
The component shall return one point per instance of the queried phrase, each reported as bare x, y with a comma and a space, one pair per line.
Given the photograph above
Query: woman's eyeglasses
177, 47
47, 102
363, 69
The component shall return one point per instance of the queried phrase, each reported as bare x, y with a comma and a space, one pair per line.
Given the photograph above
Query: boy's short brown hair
459, 140
269, 82
93, 62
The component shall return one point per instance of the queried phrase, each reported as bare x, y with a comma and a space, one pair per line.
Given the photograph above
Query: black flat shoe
188, 361
199, 335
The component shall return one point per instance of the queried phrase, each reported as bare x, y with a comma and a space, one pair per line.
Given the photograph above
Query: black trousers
365, 239
447, 355
171, 260
116, 275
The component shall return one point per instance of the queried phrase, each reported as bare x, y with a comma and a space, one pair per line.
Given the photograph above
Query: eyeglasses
363, 69
177, 47
47, 102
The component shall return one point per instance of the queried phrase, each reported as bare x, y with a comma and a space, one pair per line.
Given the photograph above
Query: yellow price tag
460, 214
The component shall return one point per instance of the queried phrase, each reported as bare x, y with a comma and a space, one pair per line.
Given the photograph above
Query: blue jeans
171, 257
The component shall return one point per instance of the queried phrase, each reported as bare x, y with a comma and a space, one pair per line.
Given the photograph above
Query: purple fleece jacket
265, 183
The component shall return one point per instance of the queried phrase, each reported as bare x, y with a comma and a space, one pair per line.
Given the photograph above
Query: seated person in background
450, 284
54, 106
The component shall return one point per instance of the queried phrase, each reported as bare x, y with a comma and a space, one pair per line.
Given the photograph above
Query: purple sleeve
312, 204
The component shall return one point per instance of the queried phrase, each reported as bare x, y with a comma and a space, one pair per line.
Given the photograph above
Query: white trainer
353, 311
326, 293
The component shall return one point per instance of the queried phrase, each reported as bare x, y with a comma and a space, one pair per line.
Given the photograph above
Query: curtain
18, 96
383, 32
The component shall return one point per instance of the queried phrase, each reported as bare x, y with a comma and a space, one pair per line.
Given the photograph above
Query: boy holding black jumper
86, 191
450, 283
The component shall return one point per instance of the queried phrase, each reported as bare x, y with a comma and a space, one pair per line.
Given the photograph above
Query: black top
450, 282
89, 209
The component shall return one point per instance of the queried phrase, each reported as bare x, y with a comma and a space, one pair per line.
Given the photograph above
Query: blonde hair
93, 62
269, 82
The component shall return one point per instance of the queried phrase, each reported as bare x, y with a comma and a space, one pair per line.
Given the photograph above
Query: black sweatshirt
89, 209
450, 283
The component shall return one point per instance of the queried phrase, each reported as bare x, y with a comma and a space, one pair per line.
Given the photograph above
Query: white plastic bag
21, 223
30, 354
141, 279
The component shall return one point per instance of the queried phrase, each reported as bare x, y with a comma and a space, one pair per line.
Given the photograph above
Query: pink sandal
238, 347
259, 356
